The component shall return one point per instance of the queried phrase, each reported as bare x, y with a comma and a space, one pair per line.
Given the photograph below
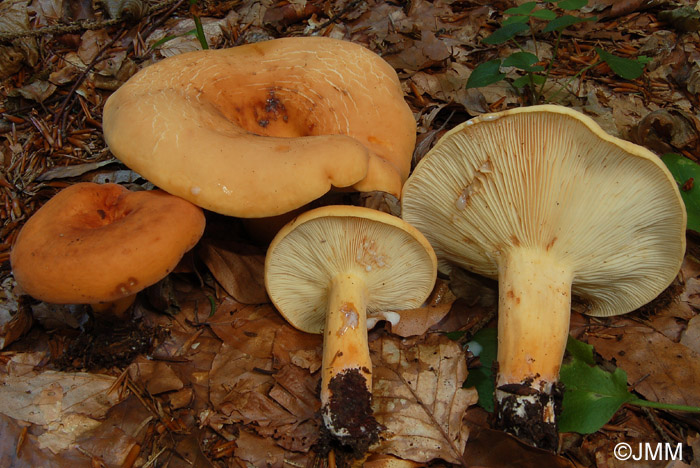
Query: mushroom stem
533, 326
116, 309
346, 383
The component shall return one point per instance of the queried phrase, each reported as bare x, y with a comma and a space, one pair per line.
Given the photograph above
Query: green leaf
683, 169
523, 9
572, 4
591, 396
564, 21
515, 19
455, 335
529, 79
580, 350
482, 377
485, 74
505, 33
626, 68
523, 61
544, 14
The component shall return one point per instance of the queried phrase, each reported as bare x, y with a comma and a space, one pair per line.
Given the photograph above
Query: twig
655, 422
62, 114
68, 102
77, 26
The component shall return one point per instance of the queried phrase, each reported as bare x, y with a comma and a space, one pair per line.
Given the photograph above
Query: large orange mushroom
262, 129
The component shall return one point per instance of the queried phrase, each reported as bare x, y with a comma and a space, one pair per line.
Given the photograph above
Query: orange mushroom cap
95, 243
261, 129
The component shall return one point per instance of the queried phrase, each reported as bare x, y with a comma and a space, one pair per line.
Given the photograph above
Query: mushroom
261, 129
101, 244
332, 270
542, 199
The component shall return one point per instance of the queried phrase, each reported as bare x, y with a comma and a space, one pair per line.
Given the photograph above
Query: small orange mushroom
101, 244
337, 270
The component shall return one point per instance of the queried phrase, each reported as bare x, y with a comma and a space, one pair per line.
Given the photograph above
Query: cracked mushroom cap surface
261, 129
394, 260
95, 243
549, 178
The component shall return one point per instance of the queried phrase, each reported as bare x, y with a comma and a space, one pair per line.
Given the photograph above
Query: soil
350, 410
529, 428
103, 345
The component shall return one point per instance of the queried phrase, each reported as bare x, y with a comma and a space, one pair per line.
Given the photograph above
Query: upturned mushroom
334, 269
542, 199
262, 129
102, 244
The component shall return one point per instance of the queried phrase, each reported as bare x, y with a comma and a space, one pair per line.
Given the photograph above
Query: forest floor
208, 374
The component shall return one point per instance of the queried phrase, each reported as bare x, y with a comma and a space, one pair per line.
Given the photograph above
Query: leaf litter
233, 384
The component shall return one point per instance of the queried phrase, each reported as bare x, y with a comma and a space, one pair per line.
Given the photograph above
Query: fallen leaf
38, 90
491, 448
658, 368
123, 428
424, 53
15, 319
415, 322
65, 405
254, 379
418, 396
29, 454
14, 18
667, 130
691, 335
157, 376
91, 42
239, 268
262, 452
75, 170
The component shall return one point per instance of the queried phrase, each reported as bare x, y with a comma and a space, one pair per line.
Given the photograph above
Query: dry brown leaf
47, 11
255, 379
75, 170
91, 43
29, 454
491, 448
691, 335
666, 131
424, 53
157, 376
46, 397
15, 320
239, 268
13, 325
450, 86
14, 18
262, 452
418, 321
658, 368
38, 91
418, 396
113, 439
66, 405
